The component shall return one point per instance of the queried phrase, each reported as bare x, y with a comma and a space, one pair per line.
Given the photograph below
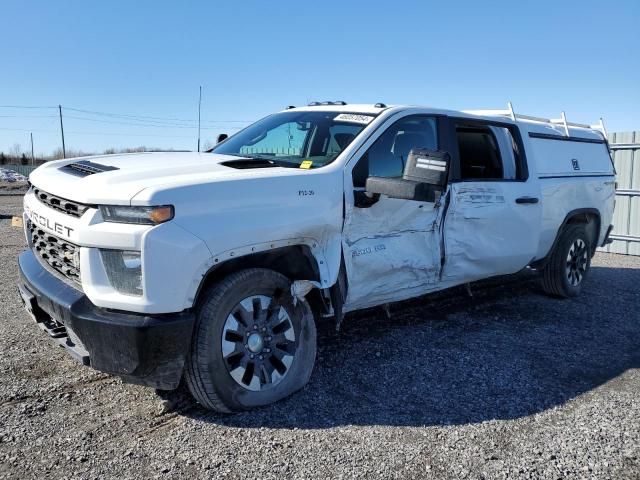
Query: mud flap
338, 295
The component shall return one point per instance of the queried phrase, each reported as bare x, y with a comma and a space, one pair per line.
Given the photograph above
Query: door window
488, 152
387, 156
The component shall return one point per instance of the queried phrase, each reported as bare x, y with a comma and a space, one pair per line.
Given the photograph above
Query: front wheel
564, 274
251, 346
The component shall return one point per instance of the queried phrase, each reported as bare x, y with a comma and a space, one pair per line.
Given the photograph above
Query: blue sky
148, 58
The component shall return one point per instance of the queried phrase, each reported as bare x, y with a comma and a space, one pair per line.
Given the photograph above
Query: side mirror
427, 166
222, 137
424, 179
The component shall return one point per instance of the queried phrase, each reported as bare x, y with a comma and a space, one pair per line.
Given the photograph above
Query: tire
565, 272
282, 349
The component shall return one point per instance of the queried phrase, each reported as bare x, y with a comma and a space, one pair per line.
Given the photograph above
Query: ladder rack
562, 121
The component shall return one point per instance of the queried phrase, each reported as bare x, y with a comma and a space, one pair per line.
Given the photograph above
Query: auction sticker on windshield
354, 118
306, 164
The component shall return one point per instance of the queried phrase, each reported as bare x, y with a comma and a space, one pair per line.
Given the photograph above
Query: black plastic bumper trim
145, 349
607, 238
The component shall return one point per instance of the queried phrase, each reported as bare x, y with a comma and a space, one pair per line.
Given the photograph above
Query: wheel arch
296, 262
589, 216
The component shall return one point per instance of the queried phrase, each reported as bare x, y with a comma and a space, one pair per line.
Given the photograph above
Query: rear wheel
569, 264
252, 346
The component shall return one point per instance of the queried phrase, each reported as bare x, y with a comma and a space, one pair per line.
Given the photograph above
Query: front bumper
145, 349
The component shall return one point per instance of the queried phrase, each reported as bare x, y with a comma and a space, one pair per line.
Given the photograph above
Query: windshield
297, 139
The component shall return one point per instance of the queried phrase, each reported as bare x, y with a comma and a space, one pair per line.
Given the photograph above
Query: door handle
527, 200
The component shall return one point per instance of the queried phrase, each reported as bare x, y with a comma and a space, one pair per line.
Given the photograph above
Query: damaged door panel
492, 221
392, 251
486, 232
392, 245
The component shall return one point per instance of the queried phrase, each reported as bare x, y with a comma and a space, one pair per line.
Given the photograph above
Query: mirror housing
222, 137
424, 179
427, 166
399, 188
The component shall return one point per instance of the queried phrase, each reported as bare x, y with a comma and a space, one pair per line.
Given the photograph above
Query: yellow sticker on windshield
306, 164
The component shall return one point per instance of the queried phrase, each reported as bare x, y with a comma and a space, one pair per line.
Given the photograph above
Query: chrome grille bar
69, 207
59, 254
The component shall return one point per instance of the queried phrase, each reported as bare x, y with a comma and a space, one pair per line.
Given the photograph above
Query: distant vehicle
11, 176
214, 267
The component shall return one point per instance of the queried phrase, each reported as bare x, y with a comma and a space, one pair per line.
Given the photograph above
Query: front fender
326, 257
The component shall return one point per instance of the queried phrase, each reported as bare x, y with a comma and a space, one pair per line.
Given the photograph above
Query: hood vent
85, 167
249, 163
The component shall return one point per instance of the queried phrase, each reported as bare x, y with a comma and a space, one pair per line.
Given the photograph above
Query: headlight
138, 215
124, 270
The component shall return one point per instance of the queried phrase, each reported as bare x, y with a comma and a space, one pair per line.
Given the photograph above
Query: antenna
64, 151
199, 105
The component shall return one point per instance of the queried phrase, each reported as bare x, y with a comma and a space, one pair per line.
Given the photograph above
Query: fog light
124, 270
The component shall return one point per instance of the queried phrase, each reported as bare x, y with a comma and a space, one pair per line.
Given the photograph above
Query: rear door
493, 218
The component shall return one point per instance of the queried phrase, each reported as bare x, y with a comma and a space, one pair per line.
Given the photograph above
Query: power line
23, 106
95, 112
29, 130
28, 116
140, 118
57, 132
158, 124
131, 134
142, 121
110, 133
138, 124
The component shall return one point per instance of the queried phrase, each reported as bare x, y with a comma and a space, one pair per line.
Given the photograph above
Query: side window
340, 136
488, 153
388, 154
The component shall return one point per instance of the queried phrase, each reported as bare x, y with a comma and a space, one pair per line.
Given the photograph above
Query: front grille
59, 254
69, 207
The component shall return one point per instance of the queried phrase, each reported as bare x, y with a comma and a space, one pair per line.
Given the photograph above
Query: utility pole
33, 159
199, 105
64, 153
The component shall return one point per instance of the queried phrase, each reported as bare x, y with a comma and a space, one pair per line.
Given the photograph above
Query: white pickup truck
214, 267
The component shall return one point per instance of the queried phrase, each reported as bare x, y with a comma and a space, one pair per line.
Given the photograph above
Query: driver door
391, 246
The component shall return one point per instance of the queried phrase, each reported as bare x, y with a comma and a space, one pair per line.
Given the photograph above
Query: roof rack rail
318, 104
509, 112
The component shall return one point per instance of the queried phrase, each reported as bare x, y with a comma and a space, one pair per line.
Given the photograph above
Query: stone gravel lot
506, 384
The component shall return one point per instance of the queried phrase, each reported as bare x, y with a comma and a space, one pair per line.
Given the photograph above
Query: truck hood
116, 179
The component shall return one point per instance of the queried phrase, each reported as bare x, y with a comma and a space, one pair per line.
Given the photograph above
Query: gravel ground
507, 384
12, 188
